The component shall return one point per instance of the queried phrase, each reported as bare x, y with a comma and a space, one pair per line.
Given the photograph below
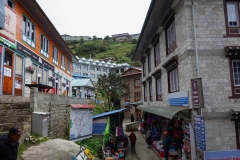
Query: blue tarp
108, 113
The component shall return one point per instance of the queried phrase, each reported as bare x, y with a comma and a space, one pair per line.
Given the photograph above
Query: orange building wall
20, 11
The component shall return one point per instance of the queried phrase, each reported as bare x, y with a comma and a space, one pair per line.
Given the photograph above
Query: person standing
133, 140
132, 118
149, 136
166, 143
9, 144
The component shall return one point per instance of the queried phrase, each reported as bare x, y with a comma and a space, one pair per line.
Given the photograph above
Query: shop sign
199, 128
197, 95
24, 50
2, 14
222, 155
7, 72
178, 99
9, 31
8, 43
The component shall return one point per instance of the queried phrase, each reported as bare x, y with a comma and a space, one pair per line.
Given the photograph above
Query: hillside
98, 49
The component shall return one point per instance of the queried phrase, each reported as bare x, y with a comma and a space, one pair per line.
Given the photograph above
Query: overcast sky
96, 17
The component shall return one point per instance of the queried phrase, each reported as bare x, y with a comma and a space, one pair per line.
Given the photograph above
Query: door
8, 73
18, 75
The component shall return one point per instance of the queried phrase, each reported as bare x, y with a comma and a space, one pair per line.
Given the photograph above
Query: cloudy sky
96, 17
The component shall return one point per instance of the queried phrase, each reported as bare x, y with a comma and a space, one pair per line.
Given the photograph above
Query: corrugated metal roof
82, 106
108, 113
81, 82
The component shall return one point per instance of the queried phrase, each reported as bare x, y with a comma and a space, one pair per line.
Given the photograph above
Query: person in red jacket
133, 140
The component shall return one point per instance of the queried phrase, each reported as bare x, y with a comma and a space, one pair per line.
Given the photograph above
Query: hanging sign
197, 94
199, 128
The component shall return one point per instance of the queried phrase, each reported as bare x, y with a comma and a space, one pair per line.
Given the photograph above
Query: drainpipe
195, 38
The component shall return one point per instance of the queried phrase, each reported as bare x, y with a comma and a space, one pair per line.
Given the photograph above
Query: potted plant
30, 69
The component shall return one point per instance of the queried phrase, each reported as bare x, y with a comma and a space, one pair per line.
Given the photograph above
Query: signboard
80, 124
199, 128
7, 72
8, 34
197, 95
222, 155
178, 99
24, 50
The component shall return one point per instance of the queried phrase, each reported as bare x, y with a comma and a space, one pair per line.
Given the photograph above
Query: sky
96, 17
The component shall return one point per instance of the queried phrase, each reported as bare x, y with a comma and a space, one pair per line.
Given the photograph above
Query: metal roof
105, 114
82, 106
82, 82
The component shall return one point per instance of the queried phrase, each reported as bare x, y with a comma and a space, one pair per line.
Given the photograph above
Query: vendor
166, 144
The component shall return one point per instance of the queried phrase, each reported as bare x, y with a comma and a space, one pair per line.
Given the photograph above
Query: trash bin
40, 123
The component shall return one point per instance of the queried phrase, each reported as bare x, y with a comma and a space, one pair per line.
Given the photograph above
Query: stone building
132, 77
189, 39
94, 68
31, 50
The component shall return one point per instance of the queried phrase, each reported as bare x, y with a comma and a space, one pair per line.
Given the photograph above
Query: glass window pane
44, 77
19, 64
232, 13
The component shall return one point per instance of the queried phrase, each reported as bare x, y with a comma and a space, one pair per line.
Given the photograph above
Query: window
98, 75
44, 77
122, 70
137, 83
127, 97
173, 80
93, 76
85, 67
69, 66
85, 74
150, 90
232, 17
98, 69
158, 89
171, 38
149, 61
10, 4
117, 71
128, 108
28, 32
44, 46
145, 91
63, 62
92, 68
137, 96
235, 77
77, 67
55, 55
144, 67
157, 53
127, 83
105, 70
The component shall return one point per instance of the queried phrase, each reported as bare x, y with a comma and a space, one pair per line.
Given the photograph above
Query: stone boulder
57, 149
132, 126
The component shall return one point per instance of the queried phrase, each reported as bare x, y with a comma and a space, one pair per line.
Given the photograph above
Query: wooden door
8, 73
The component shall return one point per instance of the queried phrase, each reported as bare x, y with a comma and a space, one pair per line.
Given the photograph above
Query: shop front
176, 121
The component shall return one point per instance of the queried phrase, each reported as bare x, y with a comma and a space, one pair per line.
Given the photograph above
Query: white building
94, 68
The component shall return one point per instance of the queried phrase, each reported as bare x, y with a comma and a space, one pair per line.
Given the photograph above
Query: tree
111, 86
107, 38
81, 41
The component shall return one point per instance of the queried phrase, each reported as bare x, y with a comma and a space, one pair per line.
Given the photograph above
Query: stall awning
137, 103
82, 106
167, 112
235, 110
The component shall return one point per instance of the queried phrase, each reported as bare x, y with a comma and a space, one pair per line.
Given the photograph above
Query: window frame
158, 95
157, 53
229, 28
136, 83
69, 66
137, 96
44, 46
127, 83
55, 55
170, 31
233, 87
149, 61
150, 90
171, 82
63, 62
7, 2
28, 35
145, 91
144, 67
127, 97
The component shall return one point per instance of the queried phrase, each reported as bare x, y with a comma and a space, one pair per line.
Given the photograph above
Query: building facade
67, 37
94, 68
192, 39
31, 51
132, 77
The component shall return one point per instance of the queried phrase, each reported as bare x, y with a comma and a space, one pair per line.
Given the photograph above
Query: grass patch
37, 140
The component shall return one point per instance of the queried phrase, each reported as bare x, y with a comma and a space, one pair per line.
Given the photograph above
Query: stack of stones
32, 140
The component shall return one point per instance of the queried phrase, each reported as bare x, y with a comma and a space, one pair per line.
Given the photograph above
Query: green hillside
98, 49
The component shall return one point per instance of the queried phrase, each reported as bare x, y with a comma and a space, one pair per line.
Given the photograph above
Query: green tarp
106, 132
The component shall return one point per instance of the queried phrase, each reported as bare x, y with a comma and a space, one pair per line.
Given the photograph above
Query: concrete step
15, 119
7, 98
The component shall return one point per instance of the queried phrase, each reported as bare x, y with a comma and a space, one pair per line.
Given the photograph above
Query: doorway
8, 73
18, 76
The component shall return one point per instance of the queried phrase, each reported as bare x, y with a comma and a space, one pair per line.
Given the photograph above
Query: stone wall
58, 106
